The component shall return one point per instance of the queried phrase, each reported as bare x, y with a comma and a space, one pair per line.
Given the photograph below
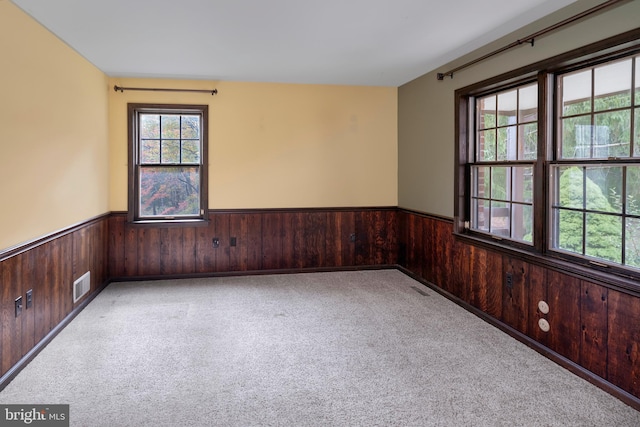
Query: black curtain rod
531, 39
122, 89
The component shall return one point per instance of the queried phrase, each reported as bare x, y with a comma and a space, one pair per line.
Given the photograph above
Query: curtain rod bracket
532, 37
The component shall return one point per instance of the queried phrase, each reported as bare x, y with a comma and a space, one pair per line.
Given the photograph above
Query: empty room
246, 213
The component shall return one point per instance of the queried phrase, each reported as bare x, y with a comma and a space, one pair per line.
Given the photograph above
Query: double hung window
167, 152
549, 158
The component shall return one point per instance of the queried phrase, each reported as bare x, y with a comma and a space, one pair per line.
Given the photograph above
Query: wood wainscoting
48, 267
255, 241
594, 328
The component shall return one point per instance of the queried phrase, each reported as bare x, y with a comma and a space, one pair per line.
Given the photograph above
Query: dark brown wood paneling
26, 279
171, 250
339, 249
117, 248
415, 245
10, 281
222, 231
458, 264
205, 261
537, 292
189, 250
131, 262
564, 316
238, 256
443, 246
624, 341
272, 224
515, 297
594, 316
390, 238
148, 240
254, 242
428, 250
315, 239
486, 281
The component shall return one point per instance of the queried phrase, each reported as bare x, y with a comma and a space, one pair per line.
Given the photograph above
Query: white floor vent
81, 286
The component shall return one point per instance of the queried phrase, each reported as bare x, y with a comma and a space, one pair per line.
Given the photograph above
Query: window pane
170, 127
604, 189
487, 145
576, 93
571, 187
507, 143
481, 214
481, 177
522, 184
613, 86
637, 81
487, 112
171, 151
612, 134
528, 148
569, 228
190, 127
149, 126
150, 151
522, 223
528, 104
633, 190
604, 237
191, 151
169, 191
507, 107
636, 138
632, 239
500, 219
500, 183
576, 138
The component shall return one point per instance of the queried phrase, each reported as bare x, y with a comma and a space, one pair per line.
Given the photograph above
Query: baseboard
571, 366
255, 272
24, 361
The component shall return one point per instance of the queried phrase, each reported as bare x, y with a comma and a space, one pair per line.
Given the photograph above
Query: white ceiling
352, 42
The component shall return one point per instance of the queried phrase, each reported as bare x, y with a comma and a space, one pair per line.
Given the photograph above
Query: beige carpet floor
360, 348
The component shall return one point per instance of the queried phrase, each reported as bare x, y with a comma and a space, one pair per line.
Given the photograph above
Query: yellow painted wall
279, 145
426, 140
53, 132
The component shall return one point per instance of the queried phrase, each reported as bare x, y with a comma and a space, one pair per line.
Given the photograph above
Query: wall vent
81, 286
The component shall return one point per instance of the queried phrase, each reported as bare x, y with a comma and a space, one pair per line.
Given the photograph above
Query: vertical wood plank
130, 250
116, 246
272, 241
594, 316
537, 284
149, 251
415, 245
189, 254
623, 341
515, 297
254, 241
455, 270
428, 250
391, 238
238, 255
222, 254
171, 250
315, 239
27, 283
11, 350
564, 315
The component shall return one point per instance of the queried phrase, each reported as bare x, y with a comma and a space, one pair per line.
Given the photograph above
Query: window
167, 157
595, 209
548, 158
501, 161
